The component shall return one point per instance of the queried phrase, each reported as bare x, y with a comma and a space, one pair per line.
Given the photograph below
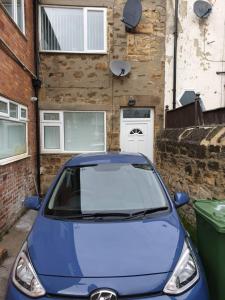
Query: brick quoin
17, 179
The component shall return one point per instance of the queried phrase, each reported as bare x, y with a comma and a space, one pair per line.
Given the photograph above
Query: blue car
107, 229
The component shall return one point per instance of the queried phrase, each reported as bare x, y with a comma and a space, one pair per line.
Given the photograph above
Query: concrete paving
13, 242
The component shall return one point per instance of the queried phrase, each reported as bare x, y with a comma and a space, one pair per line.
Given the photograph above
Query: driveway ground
13, 242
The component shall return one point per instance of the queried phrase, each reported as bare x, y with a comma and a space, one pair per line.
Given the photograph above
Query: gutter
37, 86
175, 53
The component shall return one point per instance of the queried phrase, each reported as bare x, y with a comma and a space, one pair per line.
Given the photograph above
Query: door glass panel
136, 131
139, 113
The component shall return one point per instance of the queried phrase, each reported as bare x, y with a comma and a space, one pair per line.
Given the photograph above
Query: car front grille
126, 297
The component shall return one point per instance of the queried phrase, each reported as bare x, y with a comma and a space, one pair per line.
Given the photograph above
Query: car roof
107, 158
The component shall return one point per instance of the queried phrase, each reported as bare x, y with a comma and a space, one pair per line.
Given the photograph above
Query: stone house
200, 52
17, 112
83, 106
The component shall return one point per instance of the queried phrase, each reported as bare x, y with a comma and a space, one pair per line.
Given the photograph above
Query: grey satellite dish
132, 14
120, 68
189, 97
202, 8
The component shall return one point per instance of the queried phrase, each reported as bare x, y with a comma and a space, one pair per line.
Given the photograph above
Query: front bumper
199, 291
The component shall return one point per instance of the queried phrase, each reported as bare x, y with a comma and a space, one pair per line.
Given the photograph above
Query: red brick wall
17, 178
16, 182
22, 45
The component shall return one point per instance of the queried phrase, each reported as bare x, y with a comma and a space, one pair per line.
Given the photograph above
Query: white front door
137, 131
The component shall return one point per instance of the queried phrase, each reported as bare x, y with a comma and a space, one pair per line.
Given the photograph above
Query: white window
73, 29
13, 131
4, 107
15, 9
23, 113
73, 132
13, 110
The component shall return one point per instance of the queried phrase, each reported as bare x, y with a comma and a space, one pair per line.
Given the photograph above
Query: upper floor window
73, 29
15, 9
13, 131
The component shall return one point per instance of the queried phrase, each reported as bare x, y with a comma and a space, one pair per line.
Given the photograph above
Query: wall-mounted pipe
37, 85
175, 53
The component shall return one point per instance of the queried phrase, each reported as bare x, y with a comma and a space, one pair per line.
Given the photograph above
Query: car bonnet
106, 249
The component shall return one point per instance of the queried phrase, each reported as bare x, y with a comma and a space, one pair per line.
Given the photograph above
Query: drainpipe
175, 53
36, 86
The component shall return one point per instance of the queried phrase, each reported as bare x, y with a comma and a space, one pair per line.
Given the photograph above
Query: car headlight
24, 276
185, 274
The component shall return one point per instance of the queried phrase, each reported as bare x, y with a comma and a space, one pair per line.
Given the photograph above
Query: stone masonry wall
193, 160
85, 82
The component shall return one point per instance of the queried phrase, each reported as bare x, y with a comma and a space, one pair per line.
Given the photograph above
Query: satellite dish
187, 98
120, 68
132, 14
202, 8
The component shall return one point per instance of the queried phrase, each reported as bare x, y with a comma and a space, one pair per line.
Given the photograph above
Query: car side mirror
32, 202
180, 199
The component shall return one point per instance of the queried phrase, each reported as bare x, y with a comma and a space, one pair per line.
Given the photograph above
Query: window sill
13, 159
14, 23
73, 52
70, 152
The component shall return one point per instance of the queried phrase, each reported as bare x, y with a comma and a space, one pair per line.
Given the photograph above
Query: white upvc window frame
15, 15
4, 100
7, 117
60, 120
85, 9
15, 18
60, 123
20, 112
52, 123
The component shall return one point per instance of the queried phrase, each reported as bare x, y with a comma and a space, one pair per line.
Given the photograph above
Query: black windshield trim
110, 217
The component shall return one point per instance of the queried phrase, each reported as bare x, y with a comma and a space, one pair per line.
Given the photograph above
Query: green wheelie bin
210, 217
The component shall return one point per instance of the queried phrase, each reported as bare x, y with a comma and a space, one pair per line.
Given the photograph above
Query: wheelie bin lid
213, 211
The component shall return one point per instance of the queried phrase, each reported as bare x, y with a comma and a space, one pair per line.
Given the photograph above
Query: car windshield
106, 188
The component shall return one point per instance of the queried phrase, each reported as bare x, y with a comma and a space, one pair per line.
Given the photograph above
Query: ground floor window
66, 131
13, 130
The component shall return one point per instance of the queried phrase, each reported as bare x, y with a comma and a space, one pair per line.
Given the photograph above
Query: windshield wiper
145, 212
104, 215
98, 215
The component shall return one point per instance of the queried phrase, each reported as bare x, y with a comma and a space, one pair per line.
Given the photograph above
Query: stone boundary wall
193, 160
